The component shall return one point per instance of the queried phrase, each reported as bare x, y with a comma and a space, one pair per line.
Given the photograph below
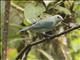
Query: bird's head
58, 18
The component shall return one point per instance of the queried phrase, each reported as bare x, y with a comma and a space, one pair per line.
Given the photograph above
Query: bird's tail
25, 29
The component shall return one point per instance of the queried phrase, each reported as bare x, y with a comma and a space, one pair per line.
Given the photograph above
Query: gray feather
25, 29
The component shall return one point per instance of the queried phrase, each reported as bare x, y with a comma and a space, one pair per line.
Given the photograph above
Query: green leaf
32, 10
62, 10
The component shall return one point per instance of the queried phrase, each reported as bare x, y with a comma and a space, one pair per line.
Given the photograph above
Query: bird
44, 25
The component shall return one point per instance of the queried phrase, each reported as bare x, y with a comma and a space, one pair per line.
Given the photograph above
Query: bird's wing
43, 24
25, 28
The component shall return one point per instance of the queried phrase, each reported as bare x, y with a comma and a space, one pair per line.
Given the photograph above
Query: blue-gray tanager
44, 25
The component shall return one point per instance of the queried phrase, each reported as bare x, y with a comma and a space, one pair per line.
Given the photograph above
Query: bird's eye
58, 17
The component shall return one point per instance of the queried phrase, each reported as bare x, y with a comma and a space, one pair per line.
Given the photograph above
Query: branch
17, 7
25, 49
49, 57
43, 40
57, 35
5, 29
26, 54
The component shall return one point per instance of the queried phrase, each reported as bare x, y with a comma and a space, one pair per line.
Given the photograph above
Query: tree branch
17, 7
26, 53
43, 40
49, 57
5, 29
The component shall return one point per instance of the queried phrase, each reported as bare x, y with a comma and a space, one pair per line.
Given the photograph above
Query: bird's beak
62, 19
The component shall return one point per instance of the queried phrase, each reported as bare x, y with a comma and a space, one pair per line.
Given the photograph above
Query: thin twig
43, 40
26, 53
17, 7
26, 48
49, 57
57, 35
